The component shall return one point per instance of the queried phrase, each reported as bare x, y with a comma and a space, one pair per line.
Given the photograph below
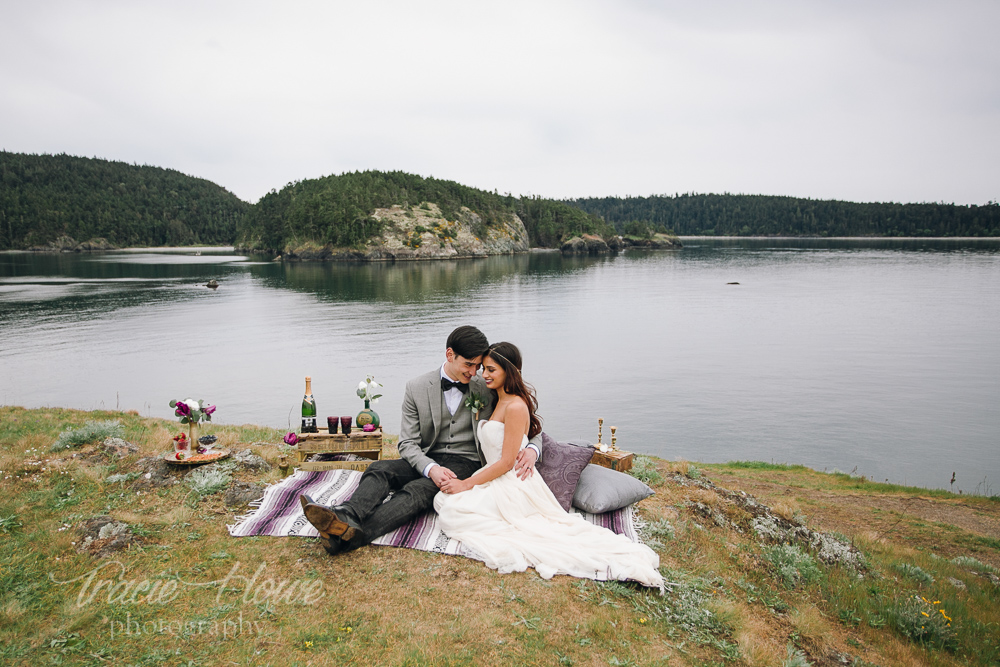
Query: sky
860, 101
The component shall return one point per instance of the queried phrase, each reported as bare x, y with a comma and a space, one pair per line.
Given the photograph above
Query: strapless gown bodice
491, 439
512, 524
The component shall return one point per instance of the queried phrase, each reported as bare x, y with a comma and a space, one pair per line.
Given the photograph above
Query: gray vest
456, 435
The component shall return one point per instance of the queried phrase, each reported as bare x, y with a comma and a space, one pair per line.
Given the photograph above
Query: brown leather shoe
326, 521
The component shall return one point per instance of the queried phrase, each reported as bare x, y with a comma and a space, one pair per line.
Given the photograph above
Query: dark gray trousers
413, 494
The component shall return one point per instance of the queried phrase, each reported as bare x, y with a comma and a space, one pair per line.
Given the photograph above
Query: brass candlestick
614, 440
600, 425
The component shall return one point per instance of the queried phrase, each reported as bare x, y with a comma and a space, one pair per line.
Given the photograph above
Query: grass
187, 593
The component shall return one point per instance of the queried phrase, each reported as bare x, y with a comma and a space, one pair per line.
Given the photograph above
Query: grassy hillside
45, 197
923, 591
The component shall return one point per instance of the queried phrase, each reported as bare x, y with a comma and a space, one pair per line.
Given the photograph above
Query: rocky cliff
423, 232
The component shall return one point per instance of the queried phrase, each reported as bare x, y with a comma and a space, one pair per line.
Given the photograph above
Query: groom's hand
439, 475
524, 465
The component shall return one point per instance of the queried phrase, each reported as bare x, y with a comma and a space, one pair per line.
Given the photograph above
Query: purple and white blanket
279, 514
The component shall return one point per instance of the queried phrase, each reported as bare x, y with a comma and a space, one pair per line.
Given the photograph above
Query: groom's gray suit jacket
424, 415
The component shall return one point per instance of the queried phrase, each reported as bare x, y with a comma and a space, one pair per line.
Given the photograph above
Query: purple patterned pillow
561, 466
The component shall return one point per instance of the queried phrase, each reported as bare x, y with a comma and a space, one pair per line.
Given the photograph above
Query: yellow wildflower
309, 644
937, 602
642, 621
925, 614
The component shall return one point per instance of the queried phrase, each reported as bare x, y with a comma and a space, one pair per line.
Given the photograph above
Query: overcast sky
862, 101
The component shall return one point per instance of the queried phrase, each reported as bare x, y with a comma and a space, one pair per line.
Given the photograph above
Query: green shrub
657, 532
92, 431
793, 565
795, 658
914, 572
206, 481
970, 563
923, 621
645, 470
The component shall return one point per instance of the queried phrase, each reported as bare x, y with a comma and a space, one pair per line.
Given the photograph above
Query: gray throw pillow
560, 468
602, 490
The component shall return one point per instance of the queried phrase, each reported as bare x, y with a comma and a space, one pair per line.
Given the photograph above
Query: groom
437, 442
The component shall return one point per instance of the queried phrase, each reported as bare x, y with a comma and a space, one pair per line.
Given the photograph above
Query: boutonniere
475, 402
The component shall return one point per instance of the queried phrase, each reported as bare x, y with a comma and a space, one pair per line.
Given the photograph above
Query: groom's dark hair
468, 342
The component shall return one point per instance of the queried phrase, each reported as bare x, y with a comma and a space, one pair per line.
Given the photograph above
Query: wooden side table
616, 459
367, 445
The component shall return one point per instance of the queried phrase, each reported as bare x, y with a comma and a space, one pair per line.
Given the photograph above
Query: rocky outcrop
587, 244
102, 536
423, 232
655, 242
242, 493
68, 244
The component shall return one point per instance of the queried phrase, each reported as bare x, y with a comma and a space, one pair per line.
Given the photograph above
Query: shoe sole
326, 522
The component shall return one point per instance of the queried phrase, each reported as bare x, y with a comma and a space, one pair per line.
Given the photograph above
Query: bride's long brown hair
508, 357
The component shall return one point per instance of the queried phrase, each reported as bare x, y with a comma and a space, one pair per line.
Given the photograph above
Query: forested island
61, 202
395, 215
762, 215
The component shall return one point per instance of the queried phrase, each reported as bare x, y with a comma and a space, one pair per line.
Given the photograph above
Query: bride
513, 524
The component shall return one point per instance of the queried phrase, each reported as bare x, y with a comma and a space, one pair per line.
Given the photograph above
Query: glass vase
367, 416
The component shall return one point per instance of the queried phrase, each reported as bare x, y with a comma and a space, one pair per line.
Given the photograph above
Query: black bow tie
447, 384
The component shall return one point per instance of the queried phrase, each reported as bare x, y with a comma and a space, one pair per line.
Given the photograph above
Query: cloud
897, 101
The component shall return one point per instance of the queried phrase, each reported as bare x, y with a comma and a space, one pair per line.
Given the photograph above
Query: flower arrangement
192, 411
367, 389
291, 439
475, 402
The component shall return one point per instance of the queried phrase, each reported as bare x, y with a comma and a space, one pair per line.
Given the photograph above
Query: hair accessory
493, 353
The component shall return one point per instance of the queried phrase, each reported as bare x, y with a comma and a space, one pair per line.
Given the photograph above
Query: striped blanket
279, 514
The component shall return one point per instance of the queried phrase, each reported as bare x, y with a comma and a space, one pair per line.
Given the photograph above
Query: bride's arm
515, 422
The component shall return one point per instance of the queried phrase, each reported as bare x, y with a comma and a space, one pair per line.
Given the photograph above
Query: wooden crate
616, 459
368, 445
335, 465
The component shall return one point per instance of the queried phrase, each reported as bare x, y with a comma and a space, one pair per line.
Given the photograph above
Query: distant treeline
762, 215
337, 210
44, 197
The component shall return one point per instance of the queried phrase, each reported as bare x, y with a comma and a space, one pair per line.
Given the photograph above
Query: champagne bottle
309, 409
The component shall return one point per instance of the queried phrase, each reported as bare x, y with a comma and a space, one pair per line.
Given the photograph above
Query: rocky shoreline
69, 244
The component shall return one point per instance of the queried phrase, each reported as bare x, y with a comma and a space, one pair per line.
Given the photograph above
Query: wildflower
642, 621
925, 614
309, 644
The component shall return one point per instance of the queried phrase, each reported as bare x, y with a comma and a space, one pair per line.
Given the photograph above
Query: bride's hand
456, 485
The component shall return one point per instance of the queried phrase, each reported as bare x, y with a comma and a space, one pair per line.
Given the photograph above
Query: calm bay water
880, 357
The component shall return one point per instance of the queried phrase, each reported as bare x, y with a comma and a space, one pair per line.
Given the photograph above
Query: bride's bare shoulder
516, 408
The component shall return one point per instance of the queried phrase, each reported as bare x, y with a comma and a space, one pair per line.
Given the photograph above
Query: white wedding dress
513, 524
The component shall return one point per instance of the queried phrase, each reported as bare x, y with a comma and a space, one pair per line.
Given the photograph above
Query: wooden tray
198, 459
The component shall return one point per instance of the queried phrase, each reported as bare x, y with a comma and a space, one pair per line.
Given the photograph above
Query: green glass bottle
309, 409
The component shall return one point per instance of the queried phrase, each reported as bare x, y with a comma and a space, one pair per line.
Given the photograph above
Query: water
879, 357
